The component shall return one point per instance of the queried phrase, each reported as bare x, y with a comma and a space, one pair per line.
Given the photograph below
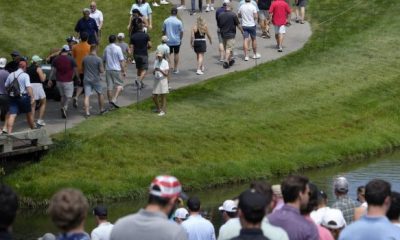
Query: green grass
36, 27
335, 99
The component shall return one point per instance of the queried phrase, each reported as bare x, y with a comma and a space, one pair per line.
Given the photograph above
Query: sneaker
202, 68
75, 102
231, 62
142, 85
207, 9
162, 113
40, 122
199, 72
164, 2
155, 4
222, 60
212, 8
87, 115
133, 62
256, 56
181, 7
63, 113
225, 65
176, 71
246, 58
102, 112
268, 34
280, 49
264, 35
114, 104
193, 12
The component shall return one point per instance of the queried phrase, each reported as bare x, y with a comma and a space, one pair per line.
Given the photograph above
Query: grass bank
337, 97
35, 27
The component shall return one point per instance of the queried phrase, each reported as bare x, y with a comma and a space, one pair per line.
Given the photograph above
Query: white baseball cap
181, 213
3, 62
333, 219
228, 206
121, 35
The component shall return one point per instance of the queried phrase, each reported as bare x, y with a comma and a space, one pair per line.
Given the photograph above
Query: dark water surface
32, 224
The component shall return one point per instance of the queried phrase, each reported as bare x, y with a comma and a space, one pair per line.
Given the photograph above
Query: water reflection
32, 224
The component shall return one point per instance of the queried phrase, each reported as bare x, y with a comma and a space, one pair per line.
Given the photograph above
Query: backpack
13, 89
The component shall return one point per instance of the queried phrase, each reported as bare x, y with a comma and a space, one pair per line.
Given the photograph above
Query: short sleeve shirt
173, 28
164, 49
23, 80
3, 77
247, 12
140, 41
97, 16
92, 65
79, 51
64, 66
279, 9
144, 9
162, 65
112, 57
227, 22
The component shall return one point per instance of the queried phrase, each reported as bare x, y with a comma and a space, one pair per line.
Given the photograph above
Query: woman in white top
160, 87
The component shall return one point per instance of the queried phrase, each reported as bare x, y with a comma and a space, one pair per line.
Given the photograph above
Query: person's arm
30, 93
192, 36
101, 21
149, 44
101, 67
42, 75
208, 35
123, 67
255, 15
149, 16
129, 24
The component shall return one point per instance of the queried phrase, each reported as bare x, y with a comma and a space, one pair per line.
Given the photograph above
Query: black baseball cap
100, 211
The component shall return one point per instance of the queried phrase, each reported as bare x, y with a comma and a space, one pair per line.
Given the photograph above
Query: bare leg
221, 51
155, 100
164, 102
42, 108
176, 61
109, 95
101, 101
245, 46
200, 60
33, 108
302, 13
10, 122
86, 103
29, 119
117, 92
254, 45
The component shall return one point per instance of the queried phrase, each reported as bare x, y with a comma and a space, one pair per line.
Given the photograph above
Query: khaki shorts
113, 79
229, 44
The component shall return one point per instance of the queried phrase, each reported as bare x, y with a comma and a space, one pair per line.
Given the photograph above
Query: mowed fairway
333, 100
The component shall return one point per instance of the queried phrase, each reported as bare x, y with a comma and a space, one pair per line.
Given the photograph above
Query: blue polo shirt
173, 28
89, 26
370, 228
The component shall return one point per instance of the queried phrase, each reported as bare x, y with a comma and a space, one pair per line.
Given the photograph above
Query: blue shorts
20, 105
249, 31
90, 86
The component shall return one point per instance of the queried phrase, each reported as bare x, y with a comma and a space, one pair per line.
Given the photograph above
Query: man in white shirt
114, 63
248, 13
97, 15
104, 227
197, 227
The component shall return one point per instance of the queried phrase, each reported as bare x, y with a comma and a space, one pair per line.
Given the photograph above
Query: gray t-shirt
92, 66
146, 225
124, 47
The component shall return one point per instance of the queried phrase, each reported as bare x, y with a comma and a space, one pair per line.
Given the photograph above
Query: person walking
160, 87
23, 102
37, 77
263, 17
97, 15
4, 99
300, 10
139, 45
227, 23
88, 25
114, 62
92, 68
145, 11
173, 29
248, 13
220, 41
79, 52
65, 69
198, 42
152, 221
279, 12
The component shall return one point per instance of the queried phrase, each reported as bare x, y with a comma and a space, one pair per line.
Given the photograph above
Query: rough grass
35, 27
338, 97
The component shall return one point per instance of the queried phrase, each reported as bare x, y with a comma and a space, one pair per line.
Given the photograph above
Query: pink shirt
324, 234
280, 10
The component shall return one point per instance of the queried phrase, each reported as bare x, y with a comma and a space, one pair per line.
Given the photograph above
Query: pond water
31, 224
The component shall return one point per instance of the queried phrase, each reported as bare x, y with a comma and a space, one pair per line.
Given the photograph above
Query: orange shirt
79, 51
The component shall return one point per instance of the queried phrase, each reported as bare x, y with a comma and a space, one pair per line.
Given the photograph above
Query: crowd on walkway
77, 69
296, 209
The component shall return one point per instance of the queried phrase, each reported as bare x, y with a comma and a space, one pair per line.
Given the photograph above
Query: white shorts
160, 86
280, 29
38, 91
